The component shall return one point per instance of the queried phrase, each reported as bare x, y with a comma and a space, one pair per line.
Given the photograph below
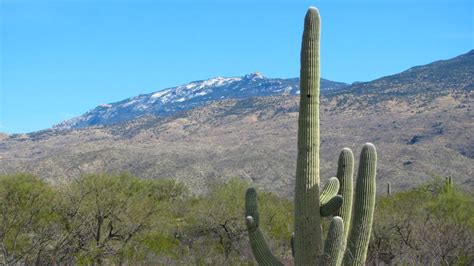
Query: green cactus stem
292, 244
329, 191
260, 249
350, 228
308, 231
331, 206
364, 204
329, 201
333, 244
345, 171
449, 183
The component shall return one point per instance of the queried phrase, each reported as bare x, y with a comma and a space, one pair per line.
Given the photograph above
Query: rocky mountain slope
198, 93
421, 123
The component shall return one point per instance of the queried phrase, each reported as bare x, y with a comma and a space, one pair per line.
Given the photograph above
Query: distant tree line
121, 219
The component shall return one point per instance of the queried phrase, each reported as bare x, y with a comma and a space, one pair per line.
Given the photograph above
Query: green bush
429, 225
215, 230
27, 219
121, 219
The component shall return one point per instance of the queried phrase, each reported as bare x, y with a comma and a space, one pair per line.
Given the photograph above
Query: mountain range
421, 121
170, 101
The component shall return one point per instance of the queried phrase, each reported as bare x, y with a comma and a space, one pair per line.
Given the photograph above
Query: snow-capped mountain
168, 101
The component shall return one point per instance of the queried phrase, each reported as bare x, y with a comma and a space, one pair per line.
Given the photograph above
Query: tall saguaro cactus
308, 231
348, 227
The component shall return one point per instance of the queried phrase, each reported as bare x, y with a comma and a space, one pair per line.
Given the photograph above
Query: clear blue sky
62, 58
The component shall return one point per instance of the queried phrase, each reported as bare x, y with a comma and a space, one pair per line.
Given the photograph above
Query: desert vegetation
121, 219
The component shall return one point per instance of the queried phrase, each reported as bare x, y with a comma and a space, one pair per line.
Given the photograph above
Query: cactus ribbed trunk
345, 171
364, 204
351, 225
329, 191
308, 231
259, 246
333, 244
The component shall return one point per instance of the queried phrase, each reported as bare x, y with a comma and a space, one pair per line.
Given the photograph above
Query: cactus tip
251, 192
337, 218
312, 13
249, 220
369, 144
368, 147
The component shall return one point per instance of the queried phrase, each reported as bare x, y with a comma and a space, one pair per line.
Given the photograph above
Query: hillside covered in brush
421, 121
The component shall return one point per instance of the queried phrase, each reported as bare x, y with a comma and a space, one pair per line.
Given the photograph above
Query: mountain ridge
187, 96
422, 126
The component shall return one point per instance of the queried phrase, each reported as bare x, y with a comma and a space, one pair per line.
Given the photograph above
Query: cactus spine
310, 205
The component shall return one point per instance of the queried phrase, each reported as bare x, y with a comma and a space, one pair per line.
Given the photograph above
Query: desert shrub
117, 218
96, 219
429, 225
121, 219
215, 230
27, 219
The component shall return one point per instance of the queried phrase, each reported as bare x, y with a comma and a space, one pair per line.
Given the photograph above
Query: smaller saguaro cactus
449, 183
389, 189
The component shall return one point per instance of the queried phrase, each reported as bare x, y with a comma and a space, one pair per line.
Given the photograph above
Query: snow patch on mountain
159, 94
197, 93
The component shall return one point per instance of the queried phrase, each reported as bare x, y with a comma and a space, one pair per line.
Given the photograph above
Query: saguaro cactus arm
260, 249
345, 172
364, 204
331, 206
329, 191
329, 200
333, 244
